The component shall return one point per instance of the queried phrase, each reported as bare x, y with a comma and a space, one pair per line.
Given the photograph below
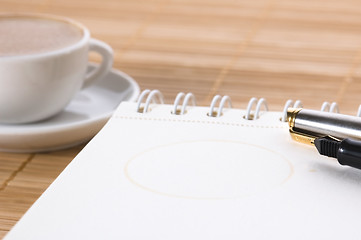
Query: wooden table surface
308, 50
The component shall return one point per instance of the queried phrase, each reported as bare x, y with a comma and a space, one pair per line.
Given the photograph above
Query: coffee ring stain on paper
219, 169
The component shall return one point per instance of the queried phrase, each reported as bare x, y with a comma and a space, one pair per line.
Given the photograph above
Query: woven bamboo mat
308, 50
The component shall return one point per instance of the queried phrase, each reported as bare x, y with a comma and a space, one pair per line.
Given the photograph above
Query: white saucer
79, 122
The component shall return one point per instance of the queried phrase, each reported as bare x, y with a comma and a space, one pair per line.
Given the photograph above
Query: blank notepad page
157, 175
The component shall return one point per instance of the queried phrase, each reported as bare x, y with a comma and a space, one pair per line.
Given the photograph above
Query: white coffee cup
36, 86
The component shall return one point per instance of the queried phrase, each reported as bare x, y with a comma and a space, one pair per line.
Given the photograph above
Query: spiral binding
358, 111
259, 103
288, 104
187, 97
217, 113
327, 107
151, 97
155, 96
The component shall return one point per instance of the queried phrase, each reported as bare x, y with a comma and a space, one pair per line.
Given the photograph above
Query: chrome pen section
317, 124
334, 135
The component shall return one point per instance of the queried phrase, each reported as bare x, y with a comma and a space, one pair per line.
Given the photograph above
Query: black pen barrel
349, 153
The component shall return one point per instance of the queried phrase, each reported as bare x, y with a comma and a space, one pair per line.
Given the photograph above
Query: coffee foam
31, 35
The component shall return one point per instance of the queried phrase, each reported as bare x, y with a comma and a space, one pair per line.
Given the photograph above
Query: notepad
177, 171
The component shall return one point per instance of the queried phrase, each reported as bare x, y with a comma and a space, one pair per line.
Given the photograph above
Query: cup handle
107, 61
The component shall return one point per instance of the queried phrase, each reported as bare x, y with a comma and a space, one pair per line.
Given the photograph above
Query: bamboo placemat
308, 50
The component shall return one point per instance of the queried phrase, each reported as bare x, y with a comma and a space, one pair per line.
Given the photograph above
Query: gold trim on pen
291, 116
298, 136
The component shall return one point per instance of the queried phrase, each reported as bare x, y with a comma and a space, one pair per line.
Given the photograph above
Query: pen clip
302, 137
296, 135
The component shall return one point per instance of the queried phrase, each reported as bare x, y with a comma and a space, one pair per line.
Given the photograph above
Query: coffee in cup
29, 35
43, 62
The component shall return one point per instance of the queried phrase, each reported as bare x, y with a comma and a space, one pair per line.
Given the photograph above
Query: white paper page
163, 176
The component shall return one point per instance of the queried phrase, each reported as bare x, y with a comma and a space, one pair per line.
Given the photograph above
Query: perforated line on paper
196, 121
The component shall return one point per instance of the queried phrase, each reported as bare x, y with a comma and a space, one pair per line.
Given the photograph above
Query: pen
334, 135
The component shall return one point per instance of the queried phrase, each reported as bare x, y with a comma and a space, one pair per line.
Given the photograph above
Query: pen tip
327, 146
